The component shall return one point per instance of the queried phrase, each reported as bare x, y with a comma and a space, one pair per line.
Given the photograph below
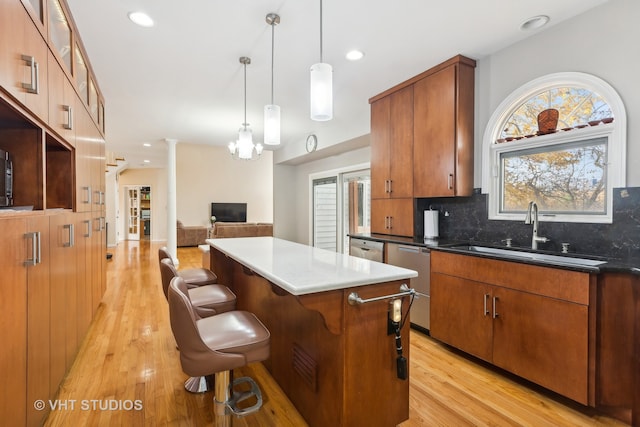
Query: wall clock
312, 143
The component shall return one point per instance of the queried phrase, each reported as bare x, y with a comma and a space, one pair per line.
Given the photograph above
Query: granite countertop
629, 265
301, 269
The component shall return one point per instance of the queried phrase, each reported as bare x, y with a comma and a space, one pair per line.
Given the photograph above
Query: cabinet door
62, 98
63, 290
401, 144
38, 320
380, 134
84, 163
434, 134
35, 71
392, 216
461, 314
544, 340
84, 242
13, 318
392, 145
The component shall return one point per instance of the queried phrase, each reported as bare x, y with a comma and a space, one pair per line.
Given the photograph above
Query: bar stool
207, 300
193, 276
217, 345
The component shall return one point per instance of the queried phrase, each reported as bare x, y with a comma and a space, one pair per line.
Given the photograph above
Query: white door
133, 213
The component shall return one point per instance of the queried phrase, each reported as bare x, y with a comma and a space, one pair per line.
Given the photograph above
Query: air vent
305, 366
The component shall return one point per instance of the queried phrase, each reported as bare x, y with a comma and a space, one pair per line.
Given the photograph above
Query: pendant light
244, 147
321, 86
272, 111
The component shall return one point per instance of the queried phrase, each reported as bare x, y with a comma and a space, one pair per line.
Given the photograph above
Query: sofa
191, 235
241, 229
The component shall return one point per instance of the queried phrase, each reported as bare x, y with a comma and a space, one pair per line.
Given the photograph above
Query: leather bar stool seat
217, 345
194, 277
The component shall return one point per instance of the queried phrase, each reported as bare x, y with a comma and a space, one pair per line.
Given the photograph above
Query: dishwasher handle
413, 249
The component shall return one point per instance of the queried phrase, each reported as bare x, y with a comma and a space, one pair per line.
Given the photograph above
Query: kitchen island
335, 361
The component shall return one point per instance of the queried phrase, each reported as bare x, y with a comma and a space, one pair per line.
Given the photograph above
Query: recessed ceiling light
146, 144
354, 55
534, 23
141, 19
147, 161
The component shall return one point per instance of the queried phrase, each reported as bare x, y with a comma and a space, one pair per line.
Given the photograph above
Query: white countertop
301, 269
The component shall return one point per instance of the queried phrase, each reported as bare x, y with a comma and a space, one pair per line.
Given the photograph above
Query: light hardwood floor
130, 355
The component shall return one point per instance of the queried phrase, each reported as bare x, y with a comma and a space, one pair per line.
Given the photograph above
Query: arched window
560, 141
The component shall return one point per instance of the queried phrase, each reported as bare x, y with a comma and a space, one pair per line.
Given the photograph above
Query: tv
229, 212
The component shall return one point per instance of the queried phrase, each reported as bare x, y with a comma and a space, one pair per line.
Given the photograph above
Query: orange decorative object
547, 121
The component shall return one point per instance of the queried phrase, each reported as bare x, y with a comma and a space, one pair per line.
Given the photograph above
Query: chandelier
244, 147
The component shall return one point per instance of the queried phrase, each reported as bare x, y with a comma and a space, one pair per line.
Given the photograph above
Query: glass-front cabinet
81, 75
60, 32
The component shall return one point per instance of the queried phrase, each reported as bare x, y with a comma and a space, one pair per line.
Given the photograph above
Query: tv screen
229, 212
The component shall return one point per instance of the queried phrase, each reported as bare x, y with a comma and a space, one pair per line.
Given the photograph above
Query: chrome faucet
532, 218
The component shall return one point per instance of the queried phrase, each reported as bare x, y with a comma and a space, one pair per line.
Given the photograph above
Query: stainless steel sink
534, 256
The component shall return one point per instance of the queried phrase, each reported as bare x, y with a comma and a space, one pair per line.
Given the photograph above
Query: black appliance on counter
6, 179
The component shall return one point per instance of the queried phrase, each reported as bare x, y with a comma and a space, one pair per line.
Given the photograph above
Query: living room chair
217, 345
194, 277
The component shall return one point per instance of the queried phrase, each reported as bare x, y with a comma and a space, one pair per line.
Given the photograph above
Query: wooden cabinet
13, 318
391, 163
532, 321
392, 216
62, 102
23, 58
64, 305
38, 316
422, 141
392, 145
49, 299
443, 132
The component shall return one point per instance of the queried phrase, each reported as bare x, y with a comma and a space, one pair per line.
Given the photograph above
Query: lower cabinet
529, 320
47, 301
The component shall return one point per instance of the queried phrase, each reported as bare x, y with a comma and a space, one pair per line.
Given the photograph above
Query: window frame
615, 133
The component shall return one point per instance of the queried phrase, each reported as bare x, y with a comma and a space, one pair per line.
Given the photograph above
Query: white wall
601, 42
208, 174
292, 220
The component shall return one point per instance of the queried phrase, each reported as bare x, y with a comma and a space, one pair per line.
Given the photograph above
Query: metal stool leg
199, 384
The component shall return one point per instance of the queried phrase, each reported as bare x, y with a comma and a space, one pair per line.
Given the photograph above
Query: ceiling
182, 78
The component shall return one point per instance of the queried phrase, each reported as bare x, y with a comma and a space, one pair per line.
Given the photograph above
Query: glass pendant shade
244, 144
272, 124
321, 92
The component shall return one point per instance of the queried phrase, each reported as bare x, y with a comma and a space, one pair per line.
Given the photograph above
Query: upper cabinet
422, 134
46, 87
392, 145
443, 131
23, 58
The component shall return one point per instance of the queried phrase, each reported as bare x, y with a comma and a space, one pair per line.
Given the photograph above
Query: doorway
138, 212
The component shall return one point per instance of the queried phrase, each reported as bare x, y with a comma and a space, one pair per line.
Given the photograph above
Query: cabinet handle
88, 199
34, 85
450, 181
390, 222
103, 223
495, 306
72, 237
102, 198
34, 249
69, 110
486, 310
390, 186
89, 230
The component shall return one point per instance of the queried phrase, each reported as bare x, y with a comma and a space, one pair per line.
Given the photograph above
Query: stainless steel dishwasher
368, 249
415, 258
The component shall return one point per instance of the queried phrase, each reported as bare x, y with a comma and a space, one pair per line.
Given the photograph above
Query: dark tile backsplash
465, 218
